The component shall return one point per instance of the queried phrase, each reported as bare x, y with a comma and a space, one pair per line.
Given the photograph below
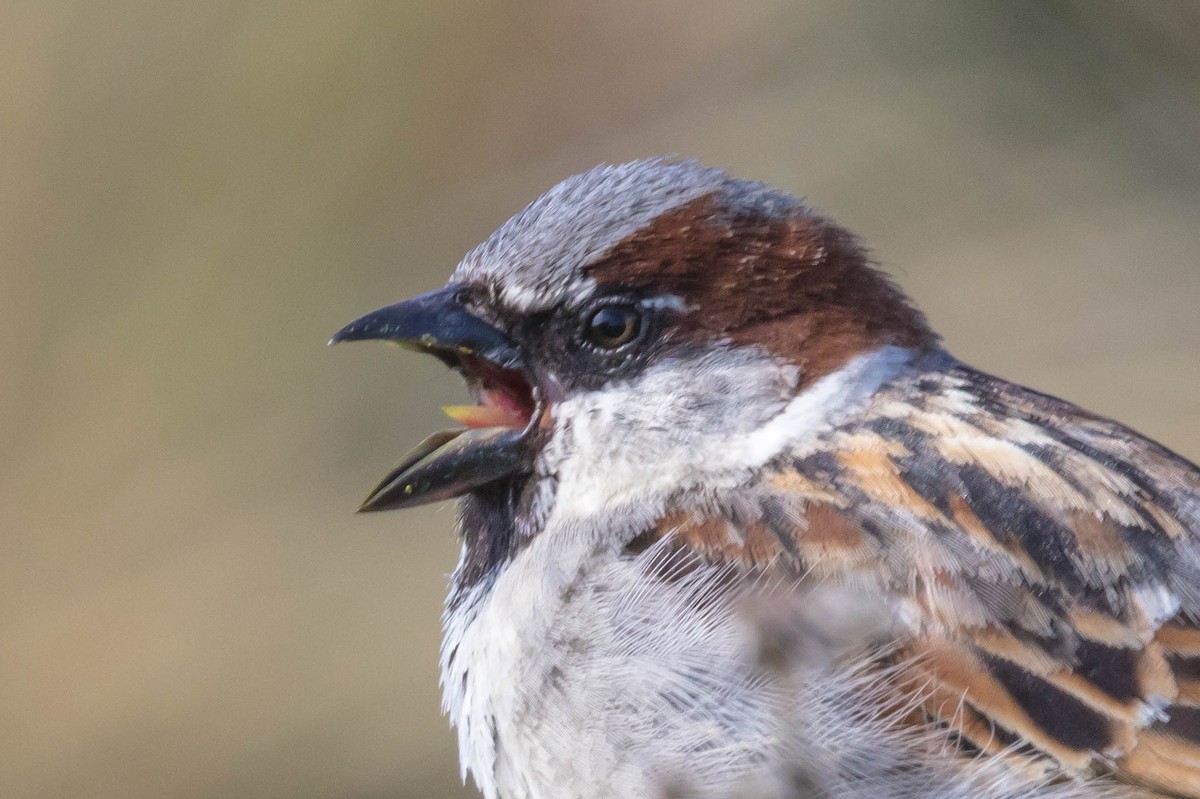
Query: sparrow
712, 444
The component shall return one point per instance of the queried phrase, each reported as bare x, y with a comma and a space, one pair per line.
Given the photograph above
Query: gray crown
535, 260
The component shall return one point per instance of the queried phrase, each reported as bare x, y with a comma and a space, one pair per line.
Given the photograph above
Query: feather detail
1045, 563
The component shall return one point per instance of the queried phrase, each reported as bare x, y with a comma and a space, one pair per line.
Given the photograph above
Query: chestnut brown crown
749, 265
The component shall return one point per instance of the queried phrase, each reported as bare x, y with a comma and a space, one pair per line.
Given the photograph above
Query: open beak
498, 441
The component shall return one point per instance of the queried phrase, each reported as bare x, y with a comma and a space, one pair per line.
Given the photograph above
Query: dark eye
613, 325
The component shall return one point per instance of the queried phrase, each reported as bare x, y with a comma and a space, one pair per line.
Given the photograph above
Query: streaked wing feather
1048, 559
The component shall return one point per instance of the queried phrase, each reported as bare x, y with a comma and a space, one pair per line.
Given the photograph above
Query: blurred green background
194, 196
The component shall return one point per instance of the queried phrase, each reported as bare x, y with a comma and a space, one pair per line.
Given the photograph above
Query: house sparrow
705, 425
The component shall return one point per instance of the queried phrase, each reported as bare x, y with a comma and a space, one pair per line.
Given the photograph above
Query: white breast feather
572, 672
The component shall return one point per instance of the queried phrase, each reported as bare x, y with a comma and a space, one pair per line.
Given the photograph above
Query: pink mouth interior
504, 397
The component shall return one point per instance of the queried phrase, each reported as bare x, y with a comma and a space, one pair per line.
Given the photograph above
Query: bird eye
613, 325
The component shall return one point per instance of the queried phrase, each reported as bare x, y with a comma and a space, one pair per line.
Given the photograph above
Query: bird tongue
476, 416
504, 396
496, 408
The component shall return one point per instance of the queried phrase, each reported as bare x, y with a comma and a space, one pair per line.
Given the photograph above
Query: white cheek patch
691, 423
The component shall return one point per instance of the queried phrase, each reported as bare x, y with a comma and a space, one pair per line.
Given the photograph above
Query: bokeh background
193, 196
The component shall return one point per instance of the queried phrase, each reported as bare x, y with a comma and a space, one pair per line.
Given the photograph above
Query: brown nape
792, 282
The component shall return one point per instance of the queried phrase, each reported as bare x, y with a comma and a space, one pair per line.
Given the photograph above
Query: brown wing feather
1048, 558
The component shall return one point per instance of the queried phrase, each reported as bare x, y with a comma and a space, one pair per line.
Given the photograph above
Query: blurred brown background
194, 196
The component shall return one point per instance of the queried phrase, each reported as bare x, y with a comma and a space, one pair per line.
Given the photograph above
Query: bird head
639, 330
